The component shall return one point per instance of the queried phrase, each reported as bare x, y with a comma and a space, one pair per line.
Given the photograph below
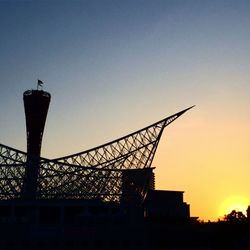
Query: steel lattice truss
12, 169
95, 173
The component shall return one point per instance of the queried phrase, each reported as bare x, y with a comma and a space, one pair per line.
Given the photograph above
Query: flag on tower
39, 83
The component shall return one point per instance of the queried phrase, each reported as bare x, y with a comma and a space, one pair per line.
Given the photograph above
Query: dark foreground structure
102, 198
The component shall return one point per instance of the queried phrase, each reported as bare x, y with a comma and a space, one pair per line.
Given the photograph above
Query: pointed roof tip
184, 110
192, 107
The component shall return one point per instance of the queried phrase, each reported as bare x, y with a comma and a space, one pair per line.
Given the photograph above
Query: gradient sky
113, 67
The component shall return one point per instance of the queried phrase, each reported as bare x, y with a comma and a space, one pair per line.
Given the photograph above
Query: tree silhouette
235, 216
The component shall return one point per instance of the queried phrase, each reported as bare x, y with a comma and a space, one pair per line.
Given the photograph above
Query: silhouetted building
135, 185
166, 205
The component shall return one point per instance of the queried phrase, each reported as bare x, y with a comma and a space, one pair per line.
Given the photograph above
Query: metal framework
92, 174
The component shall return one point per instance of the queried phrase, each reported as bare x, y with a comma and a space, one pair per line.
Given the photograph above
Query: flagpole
39, 84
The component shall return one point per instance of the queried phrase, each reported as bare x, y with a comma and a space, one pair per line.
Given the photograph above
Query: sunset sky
114, 67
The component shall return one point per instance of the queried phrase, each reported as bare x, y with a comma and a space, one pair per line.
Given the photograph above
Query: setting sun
237, 203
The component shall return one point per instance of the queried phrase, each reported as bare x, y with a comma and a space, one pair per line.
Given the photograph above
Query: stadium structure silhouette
97, 173
101, 198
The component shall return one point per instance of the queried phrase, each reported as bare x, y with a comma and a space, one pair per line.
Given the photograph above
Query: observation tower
36, 105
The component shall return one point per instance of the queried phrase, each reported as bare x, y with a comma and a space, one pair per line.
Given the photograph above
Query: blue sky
113, 67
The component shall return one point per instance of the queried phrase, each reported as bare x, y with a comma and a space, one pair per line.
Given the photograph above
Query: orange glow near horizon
237, 203
211, 167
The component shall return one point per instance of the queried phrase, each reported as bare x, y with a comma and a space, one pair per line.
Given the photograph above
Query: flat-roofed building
164, 204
